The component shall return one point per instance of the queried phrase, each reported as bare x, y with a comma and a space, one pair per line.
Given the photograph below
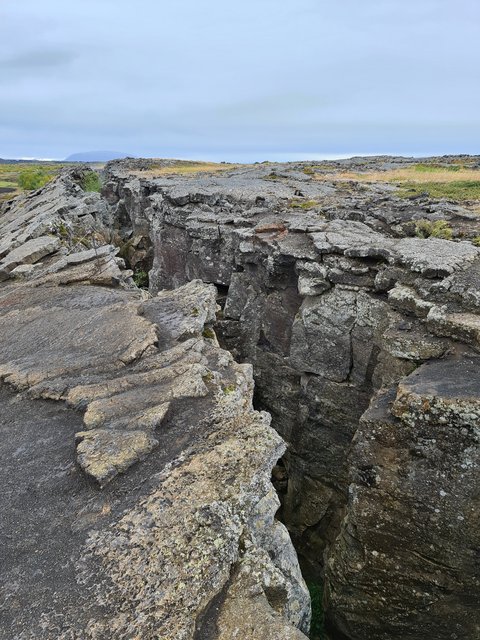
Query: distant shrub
31, 179
271, 176
91, 182
437, 229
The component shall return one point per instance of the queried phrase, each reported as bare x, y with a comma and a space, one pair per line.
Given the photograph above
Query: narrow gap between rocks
310, 571
137, 251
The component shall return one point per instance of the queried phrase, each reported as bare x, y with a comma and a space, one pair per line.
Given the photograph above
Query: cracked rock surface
136, 498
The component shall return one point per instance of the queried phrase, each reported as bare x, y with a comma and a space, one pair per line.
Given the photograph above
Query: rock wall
364, 342
408, 541
136, 497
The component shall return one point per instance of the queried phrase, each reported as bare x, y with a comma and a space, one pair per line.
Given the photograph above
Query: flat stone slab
28, 253
431, 257
442, 390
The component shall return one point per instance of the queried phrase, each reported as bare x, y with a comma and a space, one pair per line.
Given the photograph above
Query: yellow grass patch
407, 174
183, 167
452, 182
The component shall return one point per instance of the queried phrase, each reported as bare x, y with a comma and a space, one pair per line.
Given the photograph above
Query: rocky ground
136, 494
363, 335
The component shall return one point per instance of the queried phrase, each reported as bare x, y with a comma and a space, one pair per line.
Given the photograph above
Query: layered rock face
364, 341
136, 494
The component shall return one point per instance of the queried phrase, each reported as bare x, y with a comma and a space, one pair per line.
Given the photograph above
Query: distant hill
96, 156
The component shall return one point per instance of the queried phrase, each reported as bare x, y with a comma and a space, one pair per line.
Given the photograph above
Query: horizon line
293, 157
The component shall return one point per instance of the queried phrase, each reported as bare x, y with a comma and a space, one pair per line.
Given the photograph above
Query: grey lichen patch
212, 512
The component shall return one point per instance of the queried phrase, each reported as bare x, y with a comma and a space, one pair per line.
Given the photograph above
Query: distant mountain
96, 156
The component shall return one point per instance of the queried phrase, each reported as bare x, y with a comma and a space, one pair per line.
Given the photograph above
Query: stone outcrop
408, 541
136, 493
356, 330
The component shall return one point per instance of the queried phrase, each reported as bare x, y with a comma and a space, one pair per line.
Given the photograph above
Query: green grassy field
30, 174
457, 190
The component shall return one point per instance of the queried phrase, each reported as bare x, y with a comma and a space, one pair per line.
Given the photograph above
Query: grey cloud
31, 63
219, 79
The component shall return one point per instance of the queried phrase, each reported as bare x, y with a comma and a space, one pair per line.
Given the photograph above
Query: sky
246, 81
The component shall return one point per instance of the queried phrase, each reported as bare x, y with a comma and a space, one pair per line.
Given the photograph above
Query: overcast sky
248, 80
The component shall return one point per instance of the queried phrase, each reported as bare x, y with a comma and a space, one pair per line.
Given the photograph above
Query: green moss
230, 388
302, 204
208, 333
271, 176
63, 230
476, 241
432, 168
83, 240
308, 171
456, 190
194, 312
124, 250
208, 377
317, 625
437, 229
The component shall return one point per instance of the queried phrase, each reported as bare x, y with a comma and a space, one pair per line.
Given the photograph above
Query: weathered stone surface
464, 327
411, 530
445, 392
406, 299
148, 407
321, 338
312, 279
431, 257
103, 454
